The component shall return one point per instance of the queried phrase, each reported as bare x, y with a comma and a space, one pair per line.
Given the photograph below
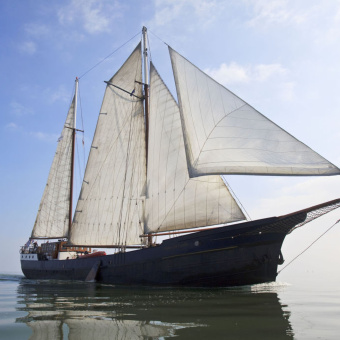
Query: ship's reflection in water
77, 310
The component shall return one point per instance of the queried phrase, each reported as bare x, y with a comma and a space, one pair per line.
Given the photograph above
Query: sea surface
50, 309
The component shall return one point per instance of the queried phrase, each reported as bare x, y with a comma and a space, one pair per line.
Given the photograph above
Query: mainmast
146, 102
72, 155
146, 89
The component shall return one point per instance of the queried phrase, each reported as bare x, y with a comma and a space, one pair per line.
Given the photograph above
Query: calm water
67, 310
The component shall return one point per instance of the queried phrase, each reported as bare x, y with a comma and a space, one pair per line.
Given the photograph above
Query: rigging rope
308, 247
159, 38
235, 197
108, 56
149, 47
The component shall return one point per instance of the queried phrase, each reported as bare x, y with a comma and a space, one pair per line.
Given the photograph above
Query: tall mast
146, 89
72, 156
146, 102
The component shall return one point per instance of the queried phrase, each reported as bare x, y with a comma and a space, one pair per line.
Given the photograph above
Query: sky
280, 56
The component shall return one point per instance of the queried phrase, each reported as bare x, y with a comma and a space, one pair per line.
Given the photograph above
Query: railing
30, 250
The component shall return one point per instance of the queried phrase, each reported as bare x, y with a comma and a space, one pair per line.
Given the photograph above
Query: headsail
110, 205
174, 201
225, 135
53, 215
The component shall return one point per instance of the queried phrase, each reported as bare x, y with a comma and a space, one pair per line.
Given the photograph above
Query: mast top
145, 53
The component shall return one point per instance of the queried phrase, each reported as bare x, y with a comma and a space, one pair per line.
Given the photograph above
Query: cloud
263, 72
296, 196
228, 74
11, 126
45, 136
201, 12
37, 30
235, 73
278, 11
59, 94
330, 34
287, 91
28, 47
320, 19
94, 16
18, 109
46, 95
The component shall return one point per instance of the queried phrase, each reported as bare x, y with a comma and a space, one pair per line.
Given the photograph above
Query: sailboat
154, 169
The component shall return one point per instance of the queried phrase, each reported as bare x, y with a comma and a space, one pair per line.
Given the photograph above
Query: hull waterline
226, 256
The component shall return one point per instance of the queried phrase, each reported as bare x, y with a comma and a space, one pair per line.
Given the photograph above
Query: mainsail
175, 201
53, 215
225, 135
110, 206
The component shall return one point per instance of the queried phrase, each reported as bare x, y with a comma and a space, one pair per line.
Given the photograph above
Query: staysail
52, 220
225, 135
110, 206
174, 201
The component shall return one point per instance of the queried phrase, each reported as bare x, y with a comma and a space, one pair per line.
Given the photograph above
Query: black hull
242, 254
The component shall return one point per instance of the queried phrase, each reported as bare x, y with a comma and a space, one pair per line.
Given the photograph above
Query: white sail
110, 206
53, 215
174, 201
225, 135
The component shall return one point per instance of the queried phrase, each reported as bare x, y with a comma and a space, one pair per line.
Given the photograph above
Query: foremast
73, 153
